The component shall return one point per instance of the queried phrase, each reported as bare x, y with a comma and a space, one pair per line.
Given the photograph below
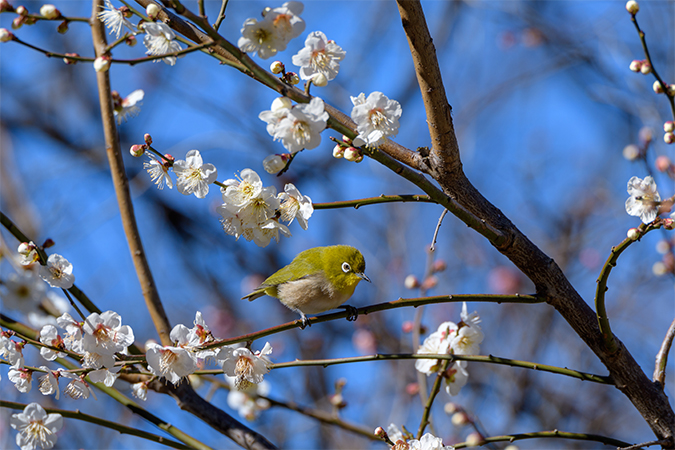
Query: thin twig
555, 434
435, 389
662, 356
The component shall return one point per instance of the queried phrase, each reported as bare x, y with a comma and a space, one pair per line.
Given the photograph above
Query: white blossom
22, 378
77, 388
23, 291
644, 200
437, 343
36, 428
247, 402
114, 19
247, 367
28, 253
49, 382
140, 390
376, 118
58, 272
159, 40
272, 34
302, 125
193, 176
319, 56
105, 375
50, 336
73, 338
428, 442
12, 351
104, 333
172, 363
159, 172
128, 106
456, 377
295, 205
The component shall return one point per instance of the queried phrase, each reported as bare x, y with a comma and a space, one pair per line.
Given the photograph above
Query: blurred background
544, 105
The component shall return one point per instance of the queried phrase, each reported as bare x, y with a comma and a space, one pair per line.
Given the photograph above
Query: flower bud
459, 419
137, 150
671, 90
412, 389
632, 7
281, 103
277, 67
5, 6
645, 68
152, 10
338, 152
69, 60
380, 433
669, 138
131, 41
662, 163
49, 12
17, 22
669, 126
451, 408
657, 87
430, 282
662, 247
266, 11
337, 400
645, 134
319, 80
63, 27
411, 282
635, 65
346, 140
439, 266
5, 35
49, 242
407, 326
352, 153
147, 138
631, 152
168, 157
669, 223
102, 64
633, 234
292, 78
21, 10
274, 164
473, 439
659, 269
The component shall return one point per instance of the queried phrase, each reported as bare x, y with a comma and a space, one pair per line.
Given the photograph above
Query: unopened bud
277, 67
63, 27
645, 68
412, 389
662, 247
633, 234
671, 90
411, 282
450, 408
147, 138
635, 65
646, 134
49, 12
659, 269
319, 80
69, 60
266, 11
168, 157
669, 138
430, 282
5, 35
632, 7
407, 326
459, 419
338, 152
152, 10
669, 126
346, 140
274, 164
49, 242
669, 224
352, 153
292, 78
102, 64
657, 87
131, 41
474, 439
631, 152
380, 433
662, 163
281, 103
337, 400
439, 265
137, 150
5, 6
17, 22
21, 10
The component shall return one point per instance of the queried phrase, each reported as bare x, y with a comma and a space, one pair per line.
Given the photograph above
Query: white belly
311, 295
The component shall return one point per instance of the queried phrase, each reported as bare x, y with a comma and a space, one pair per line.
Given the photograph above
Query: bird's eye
346, 267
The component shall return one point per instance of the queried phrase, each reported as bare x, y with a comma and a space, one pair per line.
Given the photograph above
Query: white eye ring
346, 268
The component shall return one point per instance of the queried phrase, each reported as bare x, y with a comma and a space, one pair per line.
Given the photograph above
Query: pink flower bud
669, 126
657, 87
131, 41
346, 140
669, 224
18, 22
147, 138
5, 35
277, 67
645, 68
49, 242
352, 154
407, 326
49, 12
69, 60
662, 163
412, 388
338, 152
430, 283
439, 266
669, 138
152, 10
169, 157
293, 78
137, 150
380, 433
5, 6
635, 65
633, 234
632, 7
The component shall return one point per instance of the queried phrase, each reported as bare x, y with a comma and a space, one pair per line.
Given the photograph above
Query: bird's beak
363, 276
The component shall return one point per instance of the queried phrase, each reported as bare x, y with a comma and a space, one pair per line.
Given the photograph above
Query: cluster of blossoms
253, 211
405, 441
463, 338
297, 127
274, 32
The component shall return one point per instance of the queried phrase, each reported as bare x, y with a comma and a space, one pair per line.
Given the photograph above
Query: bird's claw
352, 313
304, 322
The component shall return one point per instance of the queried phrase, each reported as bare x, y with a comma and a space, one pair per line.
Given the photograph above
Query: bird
317, 280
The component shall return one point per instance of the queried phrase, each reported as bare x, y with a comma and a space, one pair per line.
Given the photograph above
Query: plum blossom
428, 442
23, 291
77, 388
50, 336
36, 428
173, 362
456, 377
159, 172
22, 378
247, 367
247, 402
376, 118
159, 40
300, 128
193, 175
437, 343
48, 383
319, 56
28, 253
295, 205
127, 107
58, 272
114, 19
644, 200
140, 390
73, 338
274, 32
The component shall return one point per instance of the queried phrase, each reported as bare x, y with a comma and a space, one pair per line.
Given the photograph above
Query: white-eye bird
317, 280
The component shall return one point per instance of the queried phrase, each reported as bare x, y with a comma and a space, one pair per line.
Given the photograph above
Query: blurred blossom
412, 388
646, 135
631, 152
364, 341
504, 280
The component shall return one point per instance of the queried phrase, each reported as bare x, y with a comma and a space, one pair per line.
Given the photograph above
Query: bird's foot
352, 313
304, 322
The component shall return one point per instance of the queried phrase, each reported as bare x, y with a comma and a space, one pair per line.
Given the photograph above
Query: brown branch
121, 184
662, 356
